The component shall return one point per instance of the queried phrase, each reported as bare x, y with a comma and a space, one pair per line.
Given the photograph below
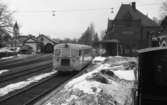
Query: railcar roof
74, 46
151, 49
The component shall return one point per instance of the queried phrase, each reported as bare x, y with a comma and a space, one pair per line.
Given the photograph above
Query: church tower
16, 34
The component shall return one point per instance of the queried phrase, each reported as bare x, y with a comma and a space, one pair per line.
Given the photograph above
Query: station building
129, 31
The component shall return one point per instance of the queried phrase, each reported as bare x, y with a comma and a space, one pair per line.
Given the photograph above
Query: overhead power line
54, 11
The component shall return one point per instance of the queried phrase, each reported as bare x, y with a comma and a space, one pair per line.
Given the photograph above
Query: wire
80, 10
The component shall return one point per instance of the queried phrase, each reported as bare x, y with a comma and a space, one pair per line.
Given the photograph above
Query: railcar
152, 77
71, 57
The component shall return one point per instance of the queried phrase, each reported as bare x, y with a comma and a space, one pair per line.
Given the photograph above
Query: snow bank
3, 71
15, 86
5, 49
127, 75
110, 83
98, 60
8, 57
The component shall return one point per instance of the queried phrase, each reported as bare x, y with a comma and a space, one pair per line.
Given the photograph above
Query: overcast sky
72, 17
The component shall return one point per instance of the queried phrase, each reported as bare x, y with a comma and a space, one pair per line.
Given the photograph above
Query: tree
102, 34
164, 9
5, 23
88, 36
156, 20
5, 18
164, 23
96, 41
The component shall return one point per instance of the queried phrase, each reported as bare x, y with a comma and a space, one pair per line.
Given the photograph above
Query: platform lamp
53, 12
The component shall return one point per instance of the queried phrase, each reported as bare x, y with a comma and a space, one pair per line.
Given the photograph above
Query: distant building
47, 44
33, 43
159, 41
131, 28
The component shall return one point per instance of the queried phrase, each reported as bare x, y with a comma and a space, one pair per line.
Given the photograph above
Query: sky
71, 17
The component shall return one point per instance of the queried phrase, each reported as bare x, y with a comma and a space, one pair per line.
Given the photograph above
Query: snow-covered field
8, 49
19, 85
5, 49
110, 82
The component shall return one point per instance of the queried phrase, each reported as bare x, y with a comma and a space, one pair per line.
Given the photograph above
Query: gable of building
45, 40
31, 40
127, 10
22, 38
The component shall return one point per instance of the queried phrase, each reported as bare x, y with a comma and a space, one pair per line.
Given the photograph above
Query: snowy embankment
8, 51
109, 82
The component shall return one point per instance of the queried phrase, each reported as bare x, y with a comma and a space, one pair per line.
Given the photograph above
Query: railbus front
71, 57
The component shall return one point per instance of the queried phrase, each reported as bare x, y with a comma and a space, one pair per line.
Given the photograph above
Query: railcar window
57, 52
65, 52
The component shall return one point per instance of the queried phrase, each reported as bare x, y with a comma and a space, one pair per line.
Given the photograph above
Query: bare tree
88, 36
102, 34
5, 18
5, 23
164, 9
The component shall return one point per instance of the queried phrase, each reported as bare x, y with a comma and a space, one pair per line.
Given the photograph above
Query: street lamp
53, 13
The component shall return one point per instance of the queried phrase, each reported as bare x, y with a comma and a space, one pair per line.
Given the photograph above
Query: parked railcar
71, 57
152, 76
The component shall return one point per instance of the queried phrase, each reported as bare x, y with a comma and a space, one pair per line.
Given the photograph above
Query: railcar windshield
57, 52
65, 52
71, 50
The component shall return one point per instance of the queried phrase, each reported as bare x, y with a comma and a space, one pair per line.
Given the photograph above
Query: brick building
131, 28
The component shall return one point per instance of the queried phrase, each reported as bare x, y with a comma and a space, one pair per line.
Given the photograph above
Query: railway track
14, 58
24, 61
33, 93
3, 61
27, 95
24, 72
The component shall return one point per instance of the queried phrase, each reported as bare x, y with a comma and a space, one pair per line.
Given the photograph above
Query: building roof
73, 46
22, 38
146, 50
41, 35
131, 11
32, 38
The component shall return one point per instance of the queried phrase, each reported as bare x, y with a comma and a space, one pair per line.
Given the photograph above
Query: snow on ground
109, 83
98, 60
15, 86
5, 49
3, 71
8, 57
127, 75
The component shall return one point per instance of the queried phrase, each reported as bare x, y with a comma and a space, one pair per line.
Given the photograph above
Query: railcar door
153, 77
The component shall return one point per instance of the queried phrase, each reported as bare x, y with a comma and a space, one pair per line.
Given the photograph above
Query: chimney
134, 5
